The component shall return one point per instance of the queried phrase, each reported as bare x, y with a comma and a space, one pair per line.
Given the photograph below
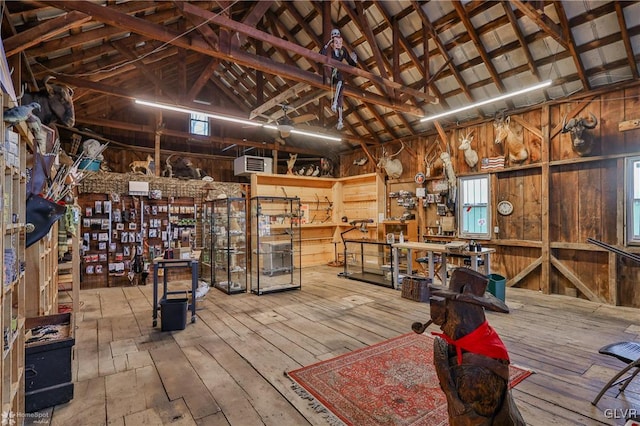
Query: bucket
173, 314
497, 284
89, 165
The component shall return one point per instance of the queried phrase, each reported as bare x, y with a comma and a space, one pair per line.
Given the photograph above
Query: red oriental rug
390, 383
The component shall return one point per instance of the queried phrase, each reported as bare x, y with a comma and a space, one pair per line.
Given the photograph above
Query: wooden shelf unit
42, 275
12, 242
69, 276
325, 201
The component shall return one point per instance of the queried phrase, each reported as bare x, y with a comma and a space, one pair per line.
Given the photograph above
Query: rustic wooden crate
416, 288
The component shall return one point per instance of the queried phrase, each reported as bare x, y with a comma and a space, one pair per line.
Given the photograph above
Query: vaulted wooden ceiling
246, 58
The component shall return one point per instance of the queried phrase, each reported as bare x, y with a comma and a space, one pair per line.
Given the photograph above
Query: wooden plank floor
227, 368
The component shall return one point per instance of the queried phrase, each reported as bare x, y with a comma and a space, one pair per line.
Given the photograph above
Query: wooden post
545, 276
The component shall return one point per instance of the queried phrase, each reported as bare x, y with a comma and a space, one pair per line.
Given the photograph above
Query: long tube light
233, 119
488, 101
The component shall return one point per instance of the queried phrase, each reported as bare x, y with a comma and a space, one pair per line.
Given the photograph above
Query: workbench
477, 258
164, 264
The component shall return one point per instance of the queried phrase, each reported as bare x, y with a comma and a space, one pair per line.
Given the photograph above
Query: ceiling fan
286, 124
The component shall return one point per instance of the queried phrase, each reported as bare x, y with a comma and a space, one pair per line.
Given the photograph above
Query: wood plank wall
545, 248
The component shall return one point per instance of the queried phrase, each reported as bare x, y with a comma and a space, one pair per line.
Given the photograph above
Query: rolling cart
162, 263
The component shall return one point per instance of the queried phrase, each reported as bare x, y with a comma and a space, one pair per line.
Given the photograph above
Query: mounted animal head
470, 156
513, 142
581, 139
392, 166
326, 167
56, 103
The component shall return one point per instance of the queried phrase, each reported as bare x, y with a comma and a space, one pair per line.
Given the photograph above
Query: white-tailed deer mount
581, 139
470, 156
392, 166
513, 143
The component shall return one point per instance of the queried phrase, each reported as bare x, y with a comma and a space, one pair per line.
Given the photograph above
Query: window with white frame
474, 210
199, 124
632, 191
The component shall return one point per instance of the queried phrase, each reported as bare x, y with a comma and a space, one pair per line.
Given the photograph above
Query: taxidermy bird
20, 113
309, 171
360, 161
301, 172
316, 172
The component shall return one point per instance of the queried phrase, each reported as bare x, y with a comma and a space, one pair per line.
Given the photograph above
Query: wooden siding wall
560, 199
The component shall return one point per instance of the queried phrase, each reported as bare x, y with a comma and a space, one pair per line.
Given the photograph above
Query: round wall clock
505, 208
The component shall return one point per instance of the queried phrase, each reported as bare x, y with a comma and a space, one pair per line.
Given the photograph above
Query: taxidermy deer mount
392, 166
470, 156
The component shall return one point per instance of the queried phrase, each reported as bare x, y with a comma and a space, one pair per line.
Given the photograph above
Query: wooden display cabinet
324, 203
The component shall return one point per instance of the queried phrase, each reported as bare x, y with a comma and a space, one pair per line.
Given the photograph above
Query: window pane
199, 125
474, 207
632, 184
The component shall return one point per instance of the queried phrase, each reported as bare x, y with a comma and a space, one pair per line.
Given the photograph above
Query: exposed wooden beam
252, 19
204, 76
312, 56
158, 32
575, 280
543, 21
33, 36
622, 23
571, 45
278, 99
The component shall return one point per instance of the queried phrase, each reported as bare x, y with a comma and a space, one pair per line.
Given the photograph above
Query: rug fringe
316, 405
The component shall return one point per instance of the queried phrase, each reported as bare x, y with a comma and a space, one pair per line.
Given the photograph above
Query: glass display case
368, 261
206, 218
229, 245
276, 256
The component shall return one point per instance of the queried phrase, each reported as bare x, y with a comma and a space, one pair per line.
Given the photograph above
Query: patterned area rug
389, 383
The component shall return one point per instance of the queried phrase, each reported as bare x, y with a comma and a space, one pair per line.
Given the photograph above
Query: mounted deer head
581, 139
470, 156
391, 166
513, 143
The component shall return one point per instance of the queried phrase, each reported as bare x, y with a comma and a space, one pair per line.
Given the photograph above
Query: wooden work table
432, 249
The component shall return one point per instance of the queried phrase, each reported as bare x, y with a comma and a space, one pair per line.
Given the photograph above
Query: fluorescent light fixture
233, 119
488, 101
303, 133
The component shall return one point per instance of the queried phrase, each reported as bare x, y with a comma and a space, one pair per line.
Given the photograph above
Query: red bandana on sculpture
483, 340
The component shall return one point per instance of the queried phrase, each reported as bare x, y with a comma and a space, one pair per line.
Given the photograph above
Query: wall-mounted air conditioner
248, 164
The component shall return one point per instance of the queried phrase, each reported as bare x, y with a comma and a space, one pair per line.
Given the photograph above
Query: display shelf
275, 244
182, 221
42, 275
368, 261
96, 232
12, 242
69, 265
206, 257
229, 245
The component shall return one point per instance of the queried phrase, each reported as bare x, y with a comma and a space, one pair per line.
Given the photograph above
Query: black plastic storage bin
48, 379
173, 314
